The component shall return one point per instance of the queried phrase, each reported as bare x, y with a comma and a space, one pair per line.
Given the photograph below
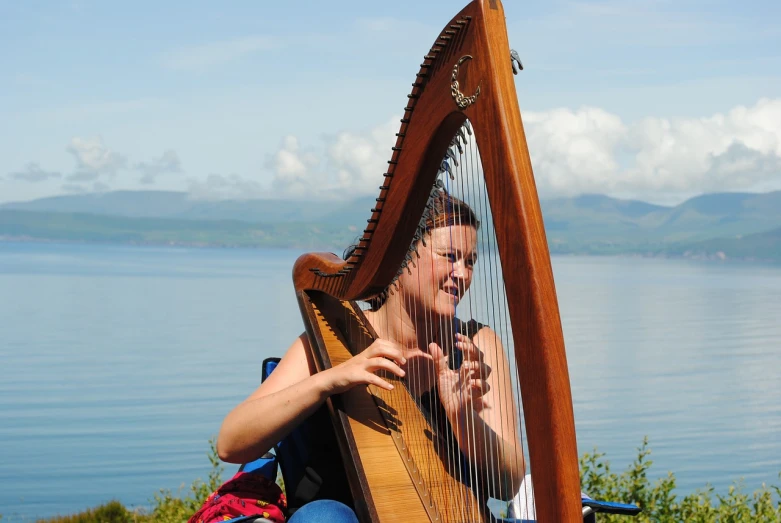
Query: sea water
118, 364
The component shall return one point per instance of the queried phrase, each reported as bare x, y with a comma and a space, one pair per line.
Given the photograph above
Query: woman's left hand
466, 386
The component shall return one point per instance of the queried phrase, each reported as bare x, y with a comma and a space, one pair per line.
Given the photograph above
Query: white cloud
590, 150
359, 160
205, 56
294, 173
168, 162
573, 151
351, 164
93, 158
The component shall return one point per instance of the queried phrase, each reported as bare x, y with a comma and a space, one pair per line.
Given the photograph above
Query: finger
438, 355
417, 353
477, 367
375, 364
468, 348
460, 338
472, 353
373, 379
467, 371
479, 386
470, 366
387, 349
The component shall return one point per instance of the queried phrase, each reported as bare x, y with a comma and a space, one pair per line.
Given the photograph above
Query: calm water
118, 364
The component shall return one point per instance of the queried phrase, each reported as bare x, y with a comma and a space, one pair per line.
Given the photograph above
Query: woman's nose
458, 270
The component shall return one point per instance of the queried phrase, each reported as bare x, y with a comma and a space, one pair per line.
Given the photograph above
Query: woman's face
443, 272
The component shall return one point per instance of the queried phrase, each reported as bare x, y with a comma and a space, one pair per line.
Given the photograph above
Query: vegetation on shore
661, 504
657, 498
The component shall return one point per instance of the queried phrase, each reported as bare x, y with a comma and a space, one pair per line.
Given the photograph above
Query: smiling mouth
452, 291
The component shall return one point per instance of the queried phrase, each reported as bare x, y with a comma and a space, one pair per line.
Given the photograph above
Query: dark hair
445, 210
442, 210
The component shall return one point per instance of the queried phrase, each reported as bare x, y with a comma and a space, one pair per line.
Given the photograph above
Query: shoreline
692, 255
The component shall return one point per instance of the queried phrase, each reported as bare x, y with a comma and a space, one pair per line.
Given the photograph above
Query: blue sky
658, 100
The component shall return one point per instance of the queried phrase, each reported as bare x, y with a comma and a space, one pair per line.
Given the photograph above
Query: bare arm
498, 409
292, 393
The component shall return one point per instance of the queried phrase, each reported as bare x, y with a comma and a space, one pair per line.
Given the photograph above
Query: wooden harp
465, 83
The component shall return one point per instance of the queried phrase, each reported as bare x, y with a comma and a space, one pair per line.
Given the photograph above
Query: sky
654, 100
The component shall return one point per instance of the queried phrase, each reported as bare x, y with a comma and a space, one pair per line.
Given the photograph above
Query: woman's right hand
362, 368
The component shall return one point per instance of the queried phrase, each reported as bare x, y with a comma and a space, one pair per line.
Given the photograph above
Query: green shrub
659, 502
111, 512
169, 508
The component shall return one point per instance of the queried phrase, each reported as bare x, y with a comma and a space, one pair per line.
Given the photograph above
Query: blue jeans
324, 511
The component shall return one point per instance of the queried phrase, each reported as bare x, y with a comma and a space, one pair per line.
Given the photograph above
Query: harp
463, 97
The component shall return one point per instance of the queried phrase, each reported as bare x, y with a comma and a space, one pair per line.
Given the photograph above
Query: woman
459, 371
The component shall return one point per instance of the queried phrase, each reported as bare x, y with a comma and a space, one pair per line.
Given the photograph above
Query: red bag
245, 494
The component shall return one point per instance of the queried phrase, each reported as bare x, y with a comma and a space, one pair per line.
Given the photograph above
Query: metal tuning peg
515, 60
461, 134
450, 154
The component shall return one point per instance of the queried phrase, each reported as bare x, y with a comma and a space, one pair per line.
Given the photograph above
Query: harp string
434, 333
465, 174
504, 327
456, 245
493, 303
485, 302
466, 178
488, 301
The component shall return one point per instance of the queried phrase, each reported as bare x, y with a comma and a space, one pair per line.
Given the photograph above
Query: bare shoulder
294, 366
482, 332
488, 341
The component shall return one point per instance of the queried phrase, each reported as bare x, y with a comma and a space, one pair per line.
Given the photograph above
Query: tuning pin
450, 154
460, 133
515, 60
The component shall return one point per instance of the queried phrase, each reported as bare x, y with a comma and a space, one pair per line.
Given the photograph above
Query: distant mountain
587, 220
170, 204
722, 214
599, 203
763, 246
82, 227
119, 203
589, 223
